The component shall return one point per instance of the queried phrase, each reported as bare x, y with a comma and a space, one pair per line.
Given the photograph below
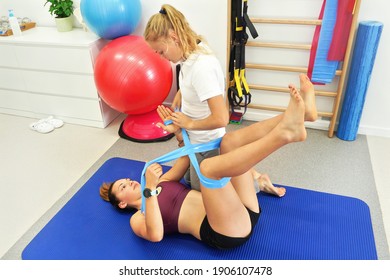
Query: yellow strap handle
238, 28
243, 79
238, 81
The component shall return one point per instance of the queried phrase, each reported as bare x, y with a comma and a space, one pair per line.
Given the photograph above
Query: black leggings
220, 241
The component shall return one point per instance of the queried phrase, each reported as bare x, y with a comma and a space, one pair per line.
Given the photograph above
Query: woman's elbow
155, 236
223, 120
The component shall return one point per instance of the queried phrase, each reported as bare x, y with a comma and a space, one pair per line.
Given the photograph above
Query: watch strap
148, 192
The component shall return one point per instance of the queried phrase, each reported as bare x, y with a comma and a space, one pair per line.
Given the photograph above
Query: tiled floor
37, 169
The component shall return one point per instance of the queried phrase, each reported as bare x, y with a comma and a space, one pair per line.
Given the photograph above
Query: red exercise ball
130, 77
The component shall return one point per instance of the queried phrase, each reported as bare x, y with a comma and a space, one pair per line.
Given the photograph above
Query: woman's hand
181, 120
166, 115
153, 174
178, 120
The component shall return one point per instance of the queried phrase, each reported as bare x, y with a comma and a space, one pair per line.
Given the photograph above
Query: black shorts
220, 241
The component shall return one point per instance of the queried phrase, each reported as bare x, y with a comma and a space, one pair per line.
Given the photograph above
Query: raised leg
246, 135
225, 207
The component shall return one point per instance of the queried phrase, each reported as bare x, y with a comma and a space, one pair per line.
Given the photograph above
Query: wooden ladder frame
342, 73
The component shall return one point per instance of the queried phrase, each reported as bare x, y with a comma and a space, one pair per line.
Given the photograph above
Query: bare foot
292, 126
308, 95
266, 186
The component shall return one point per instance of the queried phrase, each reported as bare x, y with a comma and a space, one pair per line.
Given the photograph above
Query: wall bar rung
282, 109
285, 89
281, 68
287, 21
278, 45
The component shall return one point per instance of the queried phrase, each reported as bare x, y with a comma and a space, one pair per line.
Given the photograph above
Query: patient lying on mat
223, 217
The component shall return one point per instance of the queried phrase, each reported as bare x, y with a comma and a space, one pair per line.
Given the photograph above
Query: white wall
214, 12
33, 9
209, 19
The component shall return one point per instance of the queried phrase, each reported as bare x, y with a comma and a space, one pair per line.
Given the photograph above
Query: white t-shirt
201, 78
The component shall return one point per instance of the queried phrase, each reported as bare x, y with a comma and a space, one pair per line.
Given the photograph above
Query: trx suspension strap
238, 92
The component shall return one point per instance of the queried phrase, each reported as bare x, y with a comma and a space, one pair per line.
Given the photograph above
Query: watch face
147, 193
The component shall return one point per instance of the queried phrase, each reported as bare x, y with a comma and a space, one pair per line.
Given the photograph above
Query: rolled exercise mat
363, 58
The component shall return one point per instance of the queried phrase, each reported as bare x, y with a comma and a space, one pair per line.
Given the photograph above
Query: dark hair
106, 194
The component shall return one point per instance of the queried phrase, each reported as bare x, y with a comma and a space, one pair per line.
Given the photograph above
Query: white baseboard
374, 131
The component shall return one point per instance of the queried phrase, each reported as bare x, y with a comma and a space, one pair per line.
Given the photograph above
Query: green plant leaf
60, 8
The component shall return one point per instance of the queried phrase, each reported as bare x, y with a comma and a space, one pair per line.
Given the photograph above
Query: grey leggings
191, 178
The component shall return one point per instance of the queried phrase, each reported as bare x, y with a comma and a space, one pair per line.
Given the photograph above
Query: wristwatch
148, 192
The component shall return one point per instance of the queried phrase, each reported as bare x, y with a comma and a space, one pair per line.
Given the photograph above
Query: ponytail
104, 190
168, 19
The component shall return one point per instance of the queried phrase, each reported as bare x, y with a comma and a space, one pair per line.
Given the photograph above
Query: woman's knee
206, 168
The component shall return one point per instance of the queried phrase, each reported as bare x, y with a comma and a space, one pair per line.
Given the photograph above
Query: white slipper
54, 122
42, 127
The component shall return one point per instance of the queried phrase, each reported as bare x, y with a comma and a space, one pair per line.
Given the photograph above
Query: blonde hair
168, 19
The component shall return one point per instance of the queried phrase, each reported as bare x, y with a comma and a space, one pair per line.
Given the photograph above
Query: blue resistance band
187, 150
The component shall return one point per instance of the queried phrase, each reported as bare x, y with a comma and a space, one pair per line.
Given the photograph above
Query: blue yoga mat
303, 225
363, 58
